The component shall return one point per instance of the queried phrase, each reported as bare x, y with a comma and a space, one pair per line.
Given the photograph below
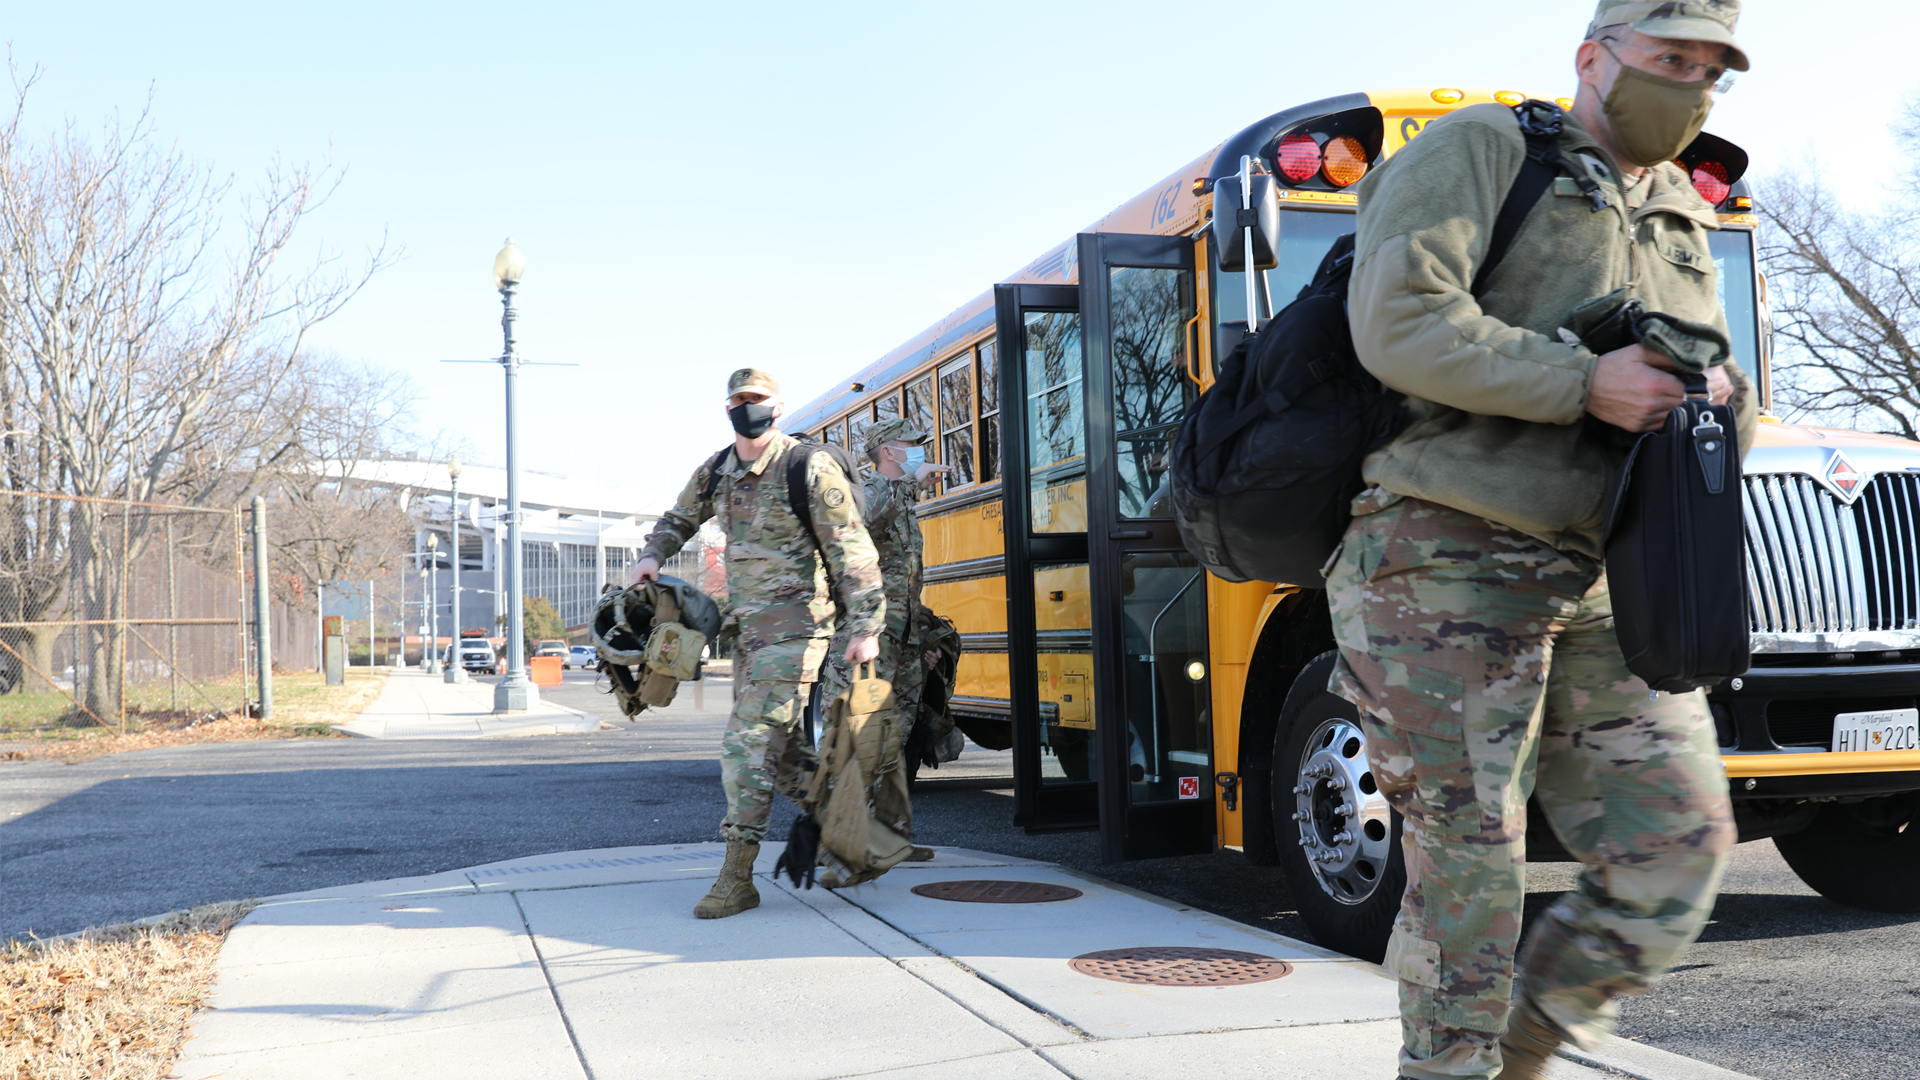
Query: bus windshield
1305, 236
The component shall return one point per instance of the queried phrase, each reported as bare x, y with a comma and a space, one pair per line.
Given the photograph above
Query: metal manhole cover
996, 892
1172, 965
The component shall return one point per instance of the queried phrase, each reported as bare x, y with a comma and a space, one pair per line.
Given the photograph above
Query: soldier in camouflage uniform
778, 593
1470, 596
900, 473
893, 486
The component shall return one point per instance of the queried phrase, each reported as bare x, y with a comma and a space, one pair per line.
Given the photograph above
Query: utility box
333, 650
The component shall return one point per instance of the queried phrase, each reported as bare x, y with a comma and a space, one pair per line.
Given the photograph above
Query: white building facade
577, 536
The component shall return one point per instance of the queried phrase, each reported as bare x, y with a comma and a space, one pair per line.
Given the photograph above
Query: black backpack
1265, 465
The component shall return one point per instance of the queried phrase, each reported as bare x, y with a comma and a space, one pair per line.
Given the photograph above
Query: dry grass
304, 706
111, 1003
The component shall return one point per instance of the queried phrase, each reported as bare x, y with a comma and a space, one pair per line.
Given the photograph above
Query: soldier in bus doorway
1469, 595
778, 593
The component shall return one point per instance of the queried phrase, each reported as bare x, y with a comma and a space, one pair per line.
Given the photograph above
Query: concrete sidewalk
590, 966
416, 705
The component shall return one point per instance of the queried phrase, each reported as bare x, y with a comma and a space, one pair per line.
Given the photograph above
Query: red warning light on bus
1710, 180
1298, 157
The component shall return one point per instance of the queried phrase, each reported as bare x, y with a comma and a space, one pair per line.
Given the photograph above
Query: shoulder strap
1540, 124
713, 474
797, 494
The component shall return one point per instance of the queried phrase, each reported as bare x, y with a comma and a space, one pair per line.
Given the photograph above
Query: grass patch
113, 1002
304, 706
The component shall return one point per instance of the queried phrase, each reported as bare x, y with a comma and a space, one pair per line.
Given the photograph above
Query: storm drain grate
1175, 965
996, 892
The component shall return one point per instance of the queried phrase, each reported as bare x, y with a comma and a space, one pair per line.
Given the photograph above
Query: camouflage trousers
1485, 668
764, 748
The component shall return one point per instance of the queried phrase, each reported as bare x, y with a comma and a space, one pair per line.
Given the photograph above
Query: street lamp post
516, 692
456, 671
433, 599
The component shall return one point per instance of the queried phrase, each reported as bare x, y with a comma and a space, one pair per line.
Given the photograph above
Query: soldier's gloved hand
646, 570
862, 649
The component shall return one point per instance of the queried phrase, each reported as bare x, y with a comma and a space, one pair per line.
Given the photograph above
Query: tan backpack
859, 793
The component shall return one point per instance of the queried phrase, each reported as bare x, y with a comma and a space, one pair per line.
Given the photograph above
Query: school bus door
1050, 666
1151, 668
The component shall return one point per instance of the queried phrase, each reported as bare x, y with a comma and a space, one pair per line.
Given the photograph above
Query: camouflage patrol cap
1690, 20
892, 431
750, 380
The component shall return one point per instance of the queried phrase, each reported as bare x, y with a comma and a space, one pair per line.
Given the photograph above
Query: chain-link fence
117, 613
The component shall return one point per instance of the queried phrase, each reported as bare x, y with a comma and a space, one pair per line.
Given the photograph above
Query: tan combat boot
733, 893
1528, 1044
919, 854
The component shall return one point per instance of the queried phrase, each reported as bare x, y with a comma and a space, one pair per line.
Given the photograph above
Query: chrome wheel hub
1344, 823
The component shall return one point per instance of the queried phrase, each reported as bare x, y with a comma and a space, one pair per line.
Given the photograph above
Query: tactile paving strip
996, 892
1176, 965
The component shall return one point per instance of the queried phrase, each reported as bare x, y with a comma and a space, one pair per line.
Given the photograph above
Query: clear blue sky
798, 186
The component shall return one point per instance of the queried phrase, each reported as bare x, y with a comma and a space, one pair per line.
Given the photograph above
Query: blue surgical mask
916, 457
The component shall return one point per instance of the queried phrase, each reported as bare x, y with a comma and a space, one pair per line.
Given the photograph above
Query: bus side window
956, 419
920, 407
886, 407
857, 423
989, 384
833, 434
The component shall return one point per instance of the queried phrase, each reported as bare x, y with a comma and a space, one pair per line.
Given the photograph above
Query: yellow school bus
1176, 712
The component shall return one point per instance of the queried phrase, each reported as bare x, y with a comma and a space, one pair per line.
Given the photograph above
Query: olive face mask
1653, 118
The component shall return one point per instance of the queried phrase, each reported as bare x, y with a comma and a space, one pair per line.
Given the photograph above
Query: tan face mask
1652, 118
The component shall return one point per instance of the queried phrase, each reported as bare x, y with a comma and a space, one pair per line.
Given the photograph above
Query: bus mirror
1230, 222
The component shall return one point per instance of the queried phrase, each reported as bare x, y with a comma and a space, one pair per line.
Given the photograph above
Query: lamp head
453, 467
509, 266
433, 541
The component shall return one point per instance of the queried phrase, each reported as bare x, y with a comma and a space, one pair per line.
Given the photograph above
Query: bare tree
1845, 294
331, 522
145, 318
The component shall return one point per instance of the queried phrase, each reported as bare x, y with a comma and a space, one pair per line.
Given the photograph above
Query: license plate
1893, 729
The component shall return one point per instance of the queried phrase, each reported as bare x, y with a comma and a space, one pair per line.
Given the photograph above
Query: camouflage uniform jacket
896, 536
777, 588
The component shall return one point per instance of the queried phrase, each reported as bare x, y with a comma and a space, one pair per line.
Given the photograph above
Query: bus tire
1338, 840
1863, 855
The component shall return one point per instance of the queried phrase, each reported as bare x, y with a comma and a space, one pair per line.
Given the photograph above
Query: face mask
1652, 118
916, 457
751, 419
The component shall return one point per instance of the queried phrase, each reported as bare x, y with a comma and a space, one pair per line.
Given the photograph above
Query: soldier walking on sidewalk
1470, 597
779, 593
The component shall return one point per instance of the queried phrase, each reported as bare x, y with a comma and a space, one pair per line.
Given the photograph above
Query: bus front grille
1817, 565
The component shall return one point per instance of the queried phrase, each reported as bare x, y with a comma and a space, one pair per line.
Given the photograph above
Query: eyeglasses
1673, 64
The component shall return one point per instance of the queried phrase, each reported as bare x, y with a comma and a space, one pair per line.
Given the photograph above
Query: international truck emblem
1842, 477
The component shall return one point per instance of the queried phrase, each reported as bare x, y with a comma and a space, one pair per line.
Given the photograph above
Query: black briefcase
1676, 552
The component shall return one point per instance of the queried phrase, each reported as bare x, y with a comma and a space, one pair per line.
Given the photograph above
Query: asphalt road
1783, 984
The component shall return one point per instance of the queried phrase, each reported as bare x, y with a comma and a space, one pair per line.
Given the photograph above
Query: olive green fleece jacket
1496, 399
